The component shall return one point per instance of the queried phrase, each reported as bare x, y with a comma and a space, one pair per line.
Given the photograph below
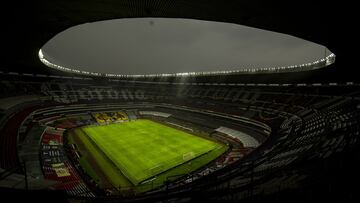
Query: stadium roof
148, 47
29, 25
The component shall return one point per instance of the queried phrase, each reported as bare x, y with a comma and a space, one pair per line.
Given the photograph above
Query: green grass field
143, 149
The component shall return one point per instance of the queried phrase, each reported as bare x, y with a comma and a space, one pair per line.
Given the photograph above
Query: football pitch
143, 149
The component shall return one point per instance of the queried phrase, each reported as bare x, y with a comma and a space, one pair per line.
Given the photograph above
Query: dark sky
158, 45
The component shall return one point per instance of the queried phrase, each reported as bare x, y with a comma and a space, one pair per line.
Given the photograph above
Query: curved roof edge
320, 63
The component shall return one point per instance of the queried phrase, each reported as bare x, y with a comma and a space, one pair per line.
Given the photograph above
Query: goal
188, 156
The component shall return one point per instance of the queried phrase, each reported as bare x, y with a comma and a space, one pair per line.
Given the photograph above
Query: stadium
271, 134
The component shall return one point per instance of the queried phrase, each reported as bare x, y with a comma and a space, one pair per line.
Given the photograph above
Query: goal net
156, 169
188, 156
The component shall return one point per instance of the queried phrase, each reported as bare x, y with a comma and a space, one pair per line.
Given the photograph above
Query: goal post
188, 156
159, 168
156, 169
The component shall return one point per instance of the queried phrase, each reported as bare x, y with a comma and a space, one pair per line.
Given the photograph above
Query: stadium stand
292, 132
247, 140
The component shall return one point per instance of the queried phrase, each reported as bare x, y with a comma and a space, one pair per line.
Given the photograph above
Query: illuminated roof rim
320, 63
